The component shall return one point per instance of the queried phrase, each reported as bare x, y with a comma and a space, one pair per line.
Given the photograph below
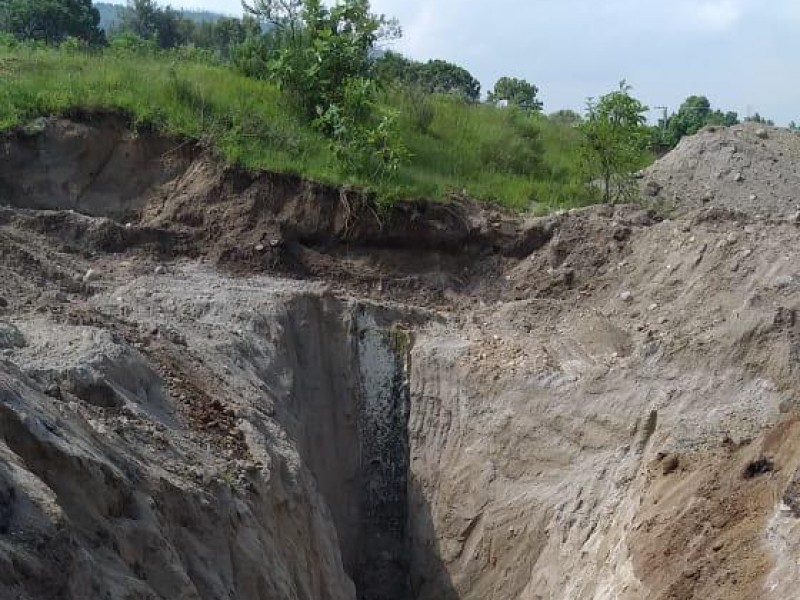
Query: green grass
504, 156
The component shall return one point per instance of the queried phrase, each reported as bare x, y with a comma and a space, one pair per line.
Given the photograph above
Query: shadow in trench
429, 577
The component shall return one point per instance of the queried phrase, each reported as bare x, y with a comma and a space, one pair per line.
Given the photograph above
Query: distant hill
110, 14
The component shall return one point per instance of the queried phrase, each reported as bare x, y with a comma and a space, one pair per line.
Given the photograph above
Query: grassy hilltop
507, 156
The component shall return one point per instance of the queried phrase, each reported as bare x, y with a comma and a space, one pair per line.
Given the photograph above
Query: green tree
149, 21
566, 117
442, 77
615, 138
323, 63
322, 47
517, 92
757, 118
432, 77
393, 67
51, 21
694, 114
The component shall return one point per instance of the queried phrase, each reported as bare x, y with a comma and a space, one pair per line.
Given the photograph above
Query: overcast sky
742, 54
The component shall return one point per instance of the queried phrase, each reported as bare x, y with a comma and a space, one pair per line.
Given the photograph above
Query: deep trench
348, 412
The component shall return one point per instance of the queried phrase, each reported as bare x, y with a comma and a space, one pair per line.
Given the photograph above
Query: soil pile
747, 167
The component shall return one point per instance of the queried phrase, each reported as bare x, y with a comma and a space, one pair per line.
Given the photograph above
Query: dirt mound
747, 167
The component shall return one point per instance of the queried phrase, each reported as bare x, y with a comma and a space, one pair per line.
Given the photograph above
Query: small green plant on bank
615, 142
324, 66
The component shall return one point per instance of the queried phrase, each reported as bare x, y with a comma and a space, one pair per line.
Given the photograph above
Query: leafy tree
323, 63
442, 77
51, 21
517, 92
694, 114
321, 48
723, 119
284, 15
614, 142
149, 21
433, 77
566, 117
222, 36
757, 118
393, 67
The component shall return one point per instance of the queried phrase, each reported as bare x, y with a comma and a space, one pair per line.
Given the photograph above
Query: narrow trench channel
348, 412
383, 410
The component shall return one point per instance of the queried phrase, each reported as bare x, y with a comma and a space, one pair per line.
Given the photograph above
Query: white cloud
719, 15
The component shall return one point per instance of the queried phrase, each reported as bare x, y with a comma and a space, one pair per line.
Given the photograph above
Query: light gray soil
598, 405
748, 167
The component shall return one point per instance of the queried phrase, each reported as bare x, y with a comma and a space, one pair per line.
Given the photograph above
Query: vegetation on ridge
299, 86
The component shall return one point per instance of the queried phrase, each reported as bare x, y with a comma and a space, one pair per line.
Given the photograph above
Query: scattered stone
626, 297
160, 270
753, 197
173, 336
652, 188
11, 337
738, 177
259, 247
90, 275
671, 464
275, 243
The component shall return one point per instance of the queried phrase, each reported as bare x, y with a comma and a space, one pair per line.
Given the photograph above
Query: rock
652, 188
738, 177
90, 275
626, 297
11, 337
160, 270
671, 464
35, 127
173, 336
762, 133
753, 197
259, 247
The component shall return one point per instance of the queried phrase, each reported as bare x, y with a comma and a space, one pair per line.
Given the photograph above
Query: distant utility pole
663, 122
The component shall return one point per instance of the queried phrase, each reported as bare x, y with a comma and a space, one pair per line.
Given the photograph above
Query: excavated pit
223, 385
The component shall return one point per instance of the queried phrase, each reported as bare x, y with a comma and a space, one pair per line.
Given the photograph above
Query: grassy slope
492, 154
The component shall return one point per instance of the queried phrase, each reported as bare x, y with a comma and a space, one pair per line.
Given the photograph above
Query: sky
742, 54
